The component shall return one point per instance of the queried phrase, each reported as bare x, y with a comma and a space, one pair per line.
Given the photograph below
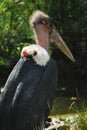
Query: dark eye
42, 21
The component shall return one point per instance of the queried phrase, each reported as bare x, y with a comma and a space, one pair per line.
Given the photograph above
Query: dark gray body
27, 98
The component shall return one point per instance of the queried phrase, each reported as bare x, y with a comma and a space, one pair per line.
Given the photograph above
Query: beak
55, 36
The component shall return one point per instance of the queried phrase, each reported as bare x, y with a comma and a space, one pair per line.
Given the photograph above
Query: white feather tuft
41, 58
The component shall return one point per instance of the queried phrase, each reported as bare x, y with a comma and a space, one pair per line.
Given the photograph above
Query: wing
28, 95
33, 111
21, 76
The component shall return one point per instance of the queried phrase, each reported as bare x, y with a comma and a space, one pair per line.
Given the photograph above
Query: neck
42, 39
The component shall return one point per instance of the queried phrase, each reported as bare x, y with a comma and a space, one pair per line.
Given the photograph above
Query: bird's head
38, 54
45, 31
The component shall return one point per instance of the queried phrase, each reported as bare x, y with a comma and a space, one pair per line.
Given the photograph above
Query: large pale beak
60, 43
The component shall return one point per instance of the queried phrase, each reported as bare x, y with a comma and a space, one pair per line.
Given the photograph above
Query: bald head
39, 17
45, 31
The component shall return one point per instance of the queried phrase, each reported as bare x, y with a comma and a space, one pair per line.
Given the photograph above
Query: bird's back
28, 95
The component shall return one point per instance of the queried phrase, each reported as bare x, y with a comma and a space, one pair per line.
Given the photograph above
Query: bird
29, 92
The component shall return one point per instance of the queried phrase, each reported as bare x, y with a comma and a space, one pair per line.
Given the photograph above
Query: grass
82, 120
81, 109
64, 107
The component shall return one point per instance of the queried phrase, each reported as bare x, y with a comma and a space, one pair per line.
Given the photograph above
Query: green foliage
14, 27
82, 120
80, 107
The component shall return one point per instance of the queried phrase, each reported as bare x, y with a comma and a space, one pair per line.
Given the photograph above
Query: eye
42, 21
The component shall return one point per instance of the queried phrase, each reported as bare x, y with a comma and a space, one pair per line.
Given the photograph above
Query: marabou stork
28, 94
